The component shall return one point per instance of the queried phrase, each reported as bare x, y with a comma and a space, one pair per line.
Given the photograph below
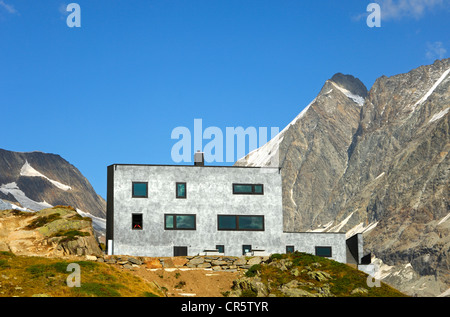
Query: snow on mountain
99, 224
439, 115
356, 98
27, 170
429, 92
20, 196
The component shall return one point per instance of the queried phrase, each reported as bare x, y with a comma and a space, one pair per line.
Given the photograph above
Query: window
139, 190
180, 251
248, 189
181, 190
220, 248
179, 222
290, 249
240, 223
323, 251
136, 221
246, 248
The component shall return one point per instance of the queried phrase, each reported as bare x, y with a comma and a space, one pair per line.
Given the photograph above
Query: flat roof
192, 165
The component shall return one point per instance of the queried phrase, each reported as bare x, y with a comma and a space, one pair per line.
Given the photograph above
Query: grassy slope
28, 276
344, 279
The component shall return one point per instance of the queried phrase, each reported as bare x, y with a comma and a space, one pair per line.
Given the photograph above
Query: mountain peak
350, 83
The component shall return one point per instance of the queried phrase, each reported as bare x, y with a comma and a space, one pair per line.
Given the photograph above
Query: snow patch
264, 154
324, 228
27, 170
13, 189
360, 228
356, 98
439, 115
99, 224
300, 115
338, 227
429, 92
444, 219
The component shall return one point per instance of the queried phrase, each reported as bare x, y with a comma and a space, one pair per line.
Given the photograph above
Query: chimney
199, 159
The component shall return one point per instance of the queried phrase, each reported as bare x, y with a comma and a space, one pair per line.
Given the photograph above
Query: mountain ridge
38, 180
382, 170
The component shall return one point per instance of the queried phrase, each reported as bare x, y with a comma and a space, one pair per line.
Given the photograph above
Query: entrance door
180, 251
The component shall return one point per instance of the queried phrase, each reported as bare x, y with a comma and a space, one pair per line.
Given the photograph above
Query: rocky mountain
36, 180
374, 162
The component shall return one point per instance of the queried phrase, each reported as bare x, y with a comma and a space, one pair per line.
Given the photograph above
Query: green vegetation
70, 235
302, 274
27, 276
43, 220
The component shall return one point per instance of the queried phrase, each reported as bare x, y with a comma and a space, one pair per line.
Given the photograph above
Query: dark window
136, 221
181, 190
246, 248
140, 190
180, 251
289, 249
227, 222
323, 251
248, 189
241, 223
179, 222
220, 248
250, 222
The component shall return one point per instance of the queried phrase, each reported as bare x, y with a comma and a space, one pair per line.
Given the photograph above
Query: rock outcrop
52, 232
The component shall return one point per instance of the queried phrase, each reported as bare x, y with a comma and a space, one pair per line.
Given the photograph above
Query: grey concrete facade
209, 193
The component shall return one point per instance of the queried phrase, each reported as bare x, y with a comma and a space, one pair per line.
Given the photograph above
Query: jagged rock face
398, 172
37, 180
312, 150
381, 169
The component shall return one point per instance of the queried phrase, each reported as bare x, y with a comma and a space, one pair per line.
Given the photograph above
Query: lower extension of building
180, 210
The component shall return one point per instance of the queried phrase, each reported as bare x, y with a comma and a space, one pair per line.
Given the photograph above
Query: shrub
99, 289
253, 270
41, 221
248, 293
275, 256
70, 235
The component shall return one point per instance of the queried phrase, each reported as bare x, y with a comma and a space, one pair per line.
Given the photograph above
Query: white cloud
435, 50
8, 7
398, 9
391, 9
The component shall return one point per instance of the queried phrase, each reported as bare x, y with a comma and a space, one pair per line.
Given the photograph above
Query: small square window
246, 248
289, 249
181, 190
220, 248
140, 190
136, 222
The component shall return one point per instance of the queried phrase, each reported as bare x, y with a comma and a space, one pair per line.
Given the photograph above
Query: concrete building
170, 210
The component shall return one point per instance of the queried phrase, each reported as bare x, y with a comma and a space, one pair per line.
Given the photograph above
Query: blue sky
113, 90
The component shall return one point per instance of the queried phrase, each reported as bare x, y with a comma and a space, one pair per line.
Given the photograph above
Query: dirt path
184, 282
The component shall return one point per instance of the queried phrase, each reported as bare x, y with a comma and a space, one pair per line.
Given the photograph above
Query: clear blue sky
113, 90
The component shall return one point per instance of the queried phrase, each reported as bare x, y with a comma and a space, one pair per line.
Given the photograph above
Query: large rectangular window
181, 190
139, 190
248, 189
323, 251
179, 222
240, 223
